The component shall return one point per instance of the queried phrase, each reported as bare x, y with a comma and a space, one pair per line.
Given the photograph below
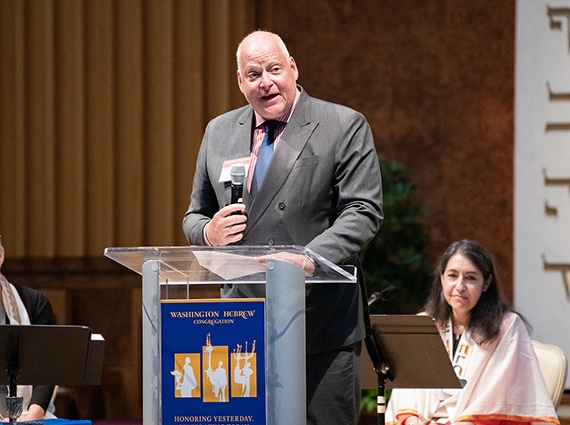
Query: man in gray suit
322, 189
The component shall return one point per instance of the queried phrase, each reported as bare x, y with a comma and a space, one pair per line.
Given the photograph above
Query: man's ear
239, 81
293, 66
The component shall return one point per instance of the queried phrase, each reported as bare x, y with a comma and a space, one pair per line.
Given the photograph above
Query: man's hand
227, 225
302, 261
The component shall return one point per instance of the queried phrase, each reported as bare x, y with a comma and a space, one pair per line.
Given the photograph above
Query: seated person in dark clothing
20, 305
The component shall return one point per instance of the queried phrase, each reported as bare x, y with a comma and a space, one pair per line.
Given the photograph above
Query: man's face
266, 76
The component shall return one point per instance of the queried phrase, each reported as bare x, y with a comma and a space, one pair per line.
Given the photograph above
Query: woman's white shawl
503, 383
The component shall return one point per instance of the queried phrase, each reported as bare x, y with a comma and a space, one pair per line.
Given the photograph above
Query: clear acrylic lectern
170, 272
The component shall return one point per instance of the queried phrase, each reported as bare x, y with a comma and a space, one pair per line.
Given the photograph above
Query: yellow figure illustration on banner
215, 372
187, 384
244, 382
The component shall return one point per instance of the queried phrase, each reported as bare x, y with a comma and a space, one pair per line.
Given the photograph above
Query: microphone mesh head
237, 174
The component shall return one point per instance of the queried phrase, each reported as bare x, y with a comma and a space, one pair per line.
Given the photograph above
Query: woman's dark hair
486, 317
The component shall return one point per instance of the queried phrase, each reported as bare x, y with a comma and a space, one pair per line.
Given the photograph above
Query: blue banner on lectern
213, 362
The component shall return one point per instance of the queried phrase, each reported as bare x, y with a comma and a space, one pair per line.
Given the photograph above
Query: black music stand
407, 352
48, 355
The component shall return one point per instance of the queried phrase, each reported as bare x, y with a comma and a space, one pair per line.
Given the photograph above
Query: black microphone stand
14, 404
384, 373
379, 360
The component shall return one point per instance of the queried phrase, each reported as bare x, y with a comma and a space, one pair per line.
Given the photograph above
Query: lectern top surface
229, 264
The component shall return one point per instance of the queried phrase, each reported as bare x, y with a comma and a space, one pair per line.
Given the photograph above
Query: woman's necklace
456, 338
457, 332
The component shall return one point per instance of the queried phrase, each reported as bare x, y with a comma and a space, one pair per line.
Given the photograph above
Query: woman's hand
35, 413
417, 420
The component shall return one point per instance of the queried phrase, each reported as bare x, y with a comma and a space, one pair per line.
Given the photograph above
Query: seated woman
21, 305
488, 345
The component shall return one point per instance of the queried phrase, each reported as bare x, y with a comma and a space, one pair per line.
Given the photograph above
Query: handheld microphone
237, 175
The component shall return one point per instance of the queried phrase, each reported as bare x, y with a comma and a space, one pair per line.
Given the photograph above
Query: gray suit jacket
322, 190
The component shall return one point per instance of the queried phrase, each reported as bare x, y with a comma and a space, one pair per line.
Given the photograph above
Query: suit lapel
294, 137
241, 143
240, 136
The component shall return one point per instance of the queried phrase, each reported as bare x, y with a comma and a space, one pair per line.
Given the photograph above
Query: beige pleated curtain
102, 107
